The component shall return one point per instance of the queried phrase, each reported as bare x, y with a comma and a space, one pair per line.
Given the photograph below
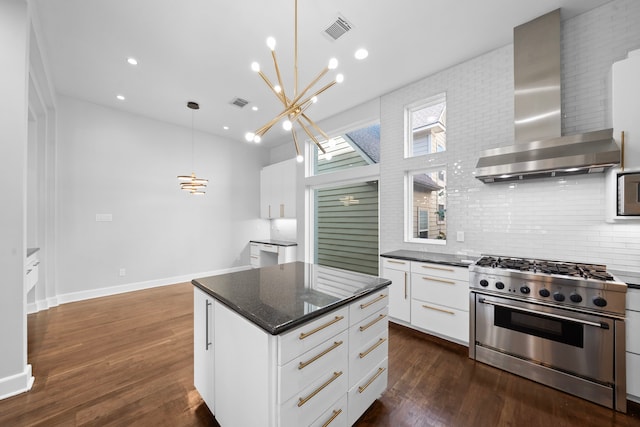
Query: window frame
409, 109
409, 206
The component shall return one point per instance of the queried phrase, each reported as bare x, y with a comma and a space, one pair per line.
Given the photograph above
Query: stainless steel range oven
558, 323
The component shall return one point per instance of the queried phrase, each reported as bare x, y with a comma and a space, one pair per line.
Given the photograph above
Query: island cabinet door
203, 359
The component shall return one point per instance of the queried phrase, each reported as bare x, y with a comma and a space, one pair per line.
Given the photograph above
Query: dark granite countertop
631, 278
437, 258
281, 297
31, 251
274, 242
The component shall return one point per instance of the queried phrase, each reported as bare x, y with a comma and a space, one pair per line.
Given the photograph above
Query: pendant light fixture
192, 183
296, 103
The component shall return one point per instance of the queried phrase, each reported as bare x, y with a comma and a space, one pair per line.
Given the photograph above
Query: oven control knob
558, 296
499, 285
525, 289
484, 283
575, 298
544, 292
600, 302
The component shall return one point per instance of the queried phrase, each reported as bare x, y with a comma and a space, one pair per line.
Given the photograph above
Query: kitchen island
293, 344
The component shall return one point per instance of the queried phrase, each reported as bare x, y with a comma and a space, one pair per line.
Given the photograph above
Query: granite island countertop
281, 297
437, 258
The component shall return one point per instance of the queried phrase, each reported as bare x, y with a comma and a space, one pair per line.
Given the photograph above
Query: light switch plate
460, 236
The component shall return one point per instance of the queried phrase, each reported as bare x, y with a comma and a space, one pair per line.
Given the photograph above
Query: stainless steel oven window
563, 331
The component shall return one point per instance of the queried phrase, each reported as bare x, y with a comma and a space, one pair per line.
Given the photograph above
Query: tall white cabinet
278, 190
633, 344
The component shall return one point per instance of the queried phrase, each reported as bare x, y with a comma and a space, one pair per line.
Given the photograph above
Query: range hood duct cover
540, 150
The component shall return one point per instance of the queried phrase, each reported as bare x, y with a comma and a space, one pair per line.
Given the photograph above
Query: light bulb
333, 63
257, 139
249, 136
339, 78
287, 125
255, 67
271, 42
314, 99
361, 53
299, 158
328, 156
277, 88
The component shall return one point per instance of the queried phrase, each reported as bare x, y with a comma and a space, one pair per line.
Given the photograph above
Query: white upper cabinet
626, 105
278, 190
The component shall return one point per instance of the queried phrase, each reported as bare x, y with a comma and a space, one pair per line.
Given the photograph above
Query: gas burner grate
586, 271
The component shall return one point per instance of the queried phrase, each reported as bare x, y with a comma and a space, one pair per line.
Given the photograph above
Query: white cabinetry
436, 299
31, 272
398, 271
264, 254
625, 97
633, 344
203, 354
278, 190
325, 372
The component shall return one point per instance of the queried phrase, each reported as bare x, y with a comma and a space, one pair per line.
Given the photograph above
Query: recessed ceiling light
254, 108
120, 97
132, 61
225, 127
361, 53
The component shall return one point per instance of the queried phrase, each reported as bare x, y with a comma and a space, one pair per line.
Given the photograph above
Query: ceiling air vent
338, 28
239, 102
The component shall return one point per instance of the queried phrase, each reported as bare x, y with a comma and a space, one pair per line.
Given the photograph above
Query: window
347, 227
426, 127
343, 185
360, 147
427, 206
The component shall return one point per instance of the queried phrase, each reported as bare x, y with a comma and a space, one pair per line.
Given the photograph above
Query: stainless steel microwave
629, 194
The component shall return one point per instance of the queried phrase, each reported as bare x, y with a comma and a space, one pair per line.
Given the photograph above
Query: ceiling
202, 50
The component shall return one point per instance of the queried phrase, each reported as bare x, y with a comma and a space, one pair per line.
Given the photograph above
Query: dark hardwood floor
127, 360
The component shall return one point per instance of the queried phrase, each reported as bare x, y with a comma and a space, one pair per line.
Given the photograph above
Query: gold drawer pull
373, 378
314, 358
304, 335
373, 322
448, 282
405, 285
439, 309
438, 268
381, 297
396, 262
373, 347
304, 400
333, 417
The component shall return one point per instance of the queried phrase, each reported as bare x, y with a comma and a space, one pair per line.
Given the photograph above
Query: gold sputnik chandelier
297, 102
191, 183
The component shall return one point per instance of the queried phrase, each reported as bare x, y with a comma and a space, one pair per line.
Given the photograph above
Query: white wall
111, 162
15, 373
548, 218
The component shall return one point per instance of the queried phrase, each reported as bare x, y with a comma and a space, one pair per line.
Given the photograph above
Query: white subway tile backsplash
550, 218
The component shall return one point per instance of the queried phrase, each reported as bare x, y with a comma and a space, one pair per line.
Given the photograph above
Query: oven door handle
602, 325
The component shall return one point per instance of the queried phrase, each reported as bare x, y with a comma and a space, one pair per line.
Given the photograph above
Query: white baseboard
16, 384
137, 286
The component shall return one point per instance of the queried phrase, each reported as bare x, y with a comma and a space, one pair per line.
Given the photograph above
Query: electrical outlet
123, 272
104, 217
460, 236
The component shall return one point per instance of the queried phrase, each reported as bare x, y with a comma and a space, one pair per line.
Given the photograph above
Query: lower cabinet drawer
368, 305
335, 416
312, 334
308, 404
364, 358
367, 390
299, 373
446, 322
448, 292
633, 375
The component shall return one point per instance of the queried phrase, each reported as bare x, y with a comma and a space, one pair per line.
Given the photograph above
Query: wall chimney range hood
540, 150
